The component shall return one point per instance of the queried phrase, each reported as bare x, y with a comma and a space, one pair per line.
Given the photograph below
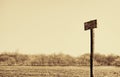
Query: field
57, 71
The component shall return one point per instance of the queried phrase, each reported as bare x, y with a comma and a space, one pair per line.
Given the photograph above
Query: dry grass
39, 71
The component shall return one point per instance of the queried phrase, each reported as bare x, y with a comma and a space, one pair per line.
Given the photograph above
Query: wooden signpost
90, 25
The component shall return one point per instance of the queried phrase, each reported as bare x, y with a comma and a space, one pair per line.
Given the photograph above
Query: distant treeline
57, 60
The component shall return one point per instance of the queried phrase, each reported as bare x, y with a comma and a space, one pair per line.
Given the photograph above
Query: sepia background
57, 26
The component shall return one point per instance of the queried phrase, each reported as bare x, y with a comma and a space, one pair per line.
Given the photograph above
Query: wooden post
92, 51
90, 25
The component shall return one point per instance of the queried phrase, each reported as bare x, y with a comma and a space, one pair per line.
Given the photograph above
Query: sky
57, 26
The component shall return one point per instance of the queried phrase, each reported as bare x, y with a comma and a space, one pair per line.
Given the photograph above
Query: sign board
90, 24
